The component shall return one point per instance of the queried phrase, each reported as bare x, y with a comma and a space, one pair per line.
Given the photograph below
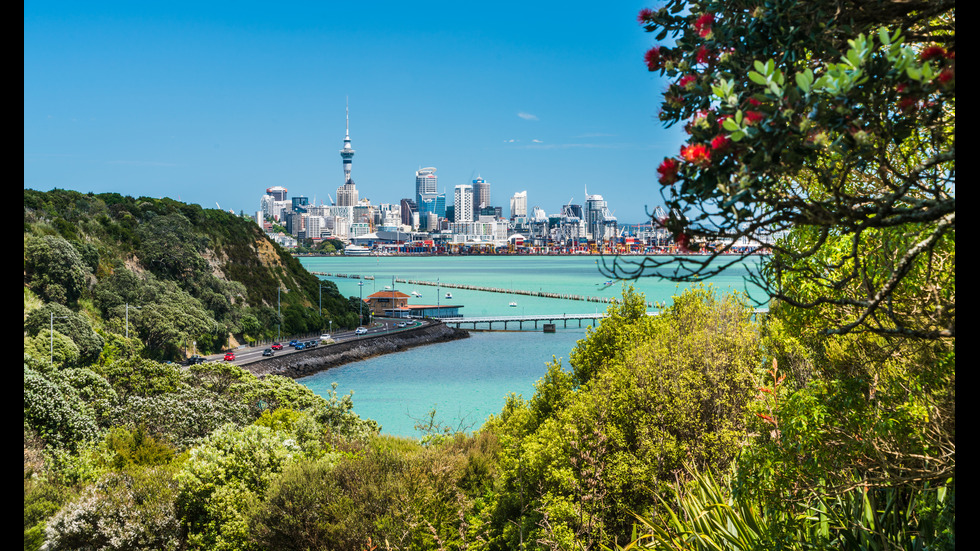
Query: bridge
521, 319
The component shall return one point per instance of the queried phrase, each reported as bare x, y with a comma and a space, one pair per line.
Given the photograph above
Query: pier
544, 294
521, 319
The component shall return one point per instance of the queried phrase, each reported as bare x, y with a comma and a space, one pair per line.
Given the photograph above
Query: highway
246, 355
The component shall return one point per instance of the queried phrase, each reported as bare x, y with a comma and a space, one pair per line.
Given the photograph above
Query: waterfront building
463, 203
600, 224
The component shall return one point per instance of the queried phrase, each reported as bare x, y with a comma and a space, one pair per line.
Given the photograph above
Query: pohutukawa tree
821, 131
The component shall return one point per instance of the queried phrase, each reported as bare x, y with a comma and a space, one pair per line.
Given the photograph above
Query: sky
214, 102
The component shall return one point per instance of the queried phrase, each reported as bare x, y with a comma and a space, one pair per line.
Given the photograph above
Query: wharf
605, 300
520, 320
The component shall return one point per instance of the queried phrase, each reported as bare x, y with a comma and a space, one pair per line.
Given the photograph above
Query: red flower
703, 25
646, 14
721, 143
705, 55
752, 117
686, 81
945, 77
932, 52
907, 103
653, 59
668, 171
696, 154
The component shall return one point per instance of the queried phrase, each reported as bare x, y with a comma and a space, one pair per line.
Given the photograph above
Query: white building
463, 203
518, 205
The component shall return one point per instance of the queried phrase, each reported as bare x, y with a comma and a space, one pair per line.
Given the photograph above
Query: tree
829, 121
54, 269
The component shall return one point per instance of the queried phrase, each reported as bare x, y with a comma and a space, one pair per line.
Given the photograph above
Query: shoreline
322, 358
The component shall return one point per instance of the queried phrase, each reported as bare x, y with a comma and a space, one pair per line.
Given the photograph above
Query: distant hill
177, 271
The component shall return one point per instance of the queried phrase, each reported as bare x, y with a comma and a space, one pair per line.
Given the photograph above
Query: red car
229, 356
276, 346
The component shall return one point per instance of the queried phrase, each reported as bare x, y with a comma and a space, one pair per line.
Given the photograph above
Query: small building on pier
391, 303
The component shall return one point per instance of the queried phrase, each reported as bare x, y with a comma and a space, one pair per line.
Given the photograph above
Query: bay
467, 380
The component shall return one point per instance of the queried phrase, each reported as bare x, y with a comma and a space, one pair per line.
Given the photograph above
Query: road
247, 355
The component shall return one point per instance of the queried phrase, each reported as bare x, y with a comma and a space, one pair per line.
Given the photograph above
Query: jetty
449, 285
520, 320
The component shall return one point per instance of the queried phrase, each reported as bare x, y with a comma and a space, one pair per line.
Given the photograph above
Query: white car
325, 337
360, 331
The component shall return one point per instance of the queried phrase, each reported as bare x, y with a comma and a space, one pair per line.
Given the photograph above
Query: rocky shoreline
322, 358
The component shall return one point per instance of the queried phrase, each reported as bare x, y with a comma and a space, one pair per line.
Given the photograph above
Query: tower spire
347, 153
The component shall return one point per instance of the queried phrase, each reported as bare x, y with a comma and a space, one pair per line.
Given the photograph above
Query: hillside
180, 273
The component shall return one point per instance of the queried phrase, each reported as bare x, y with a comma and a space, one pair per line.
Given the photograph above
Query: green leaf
757, 78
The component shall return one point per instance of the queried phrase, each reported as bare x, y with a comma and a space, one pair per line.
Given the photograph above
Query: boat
416, 294
356, 250
449, 295
513, 304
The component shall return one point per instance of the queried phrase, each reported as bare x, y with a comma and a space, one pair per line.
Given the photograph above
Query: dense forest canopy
179, 273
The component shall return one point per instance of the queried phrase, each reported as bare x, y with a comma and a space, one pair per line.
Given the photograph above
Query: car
400, 324
268, 352
293, 342
276, 346
229, 356
299, 346
195, 359
360, 331
312, 344
325, 337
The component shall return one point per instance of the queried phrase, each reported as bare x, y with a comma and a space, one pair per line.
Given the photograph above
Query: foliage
833, 120
708, 515
665, 391
125, 510
54, 269
222, 477
73, 325
54, 410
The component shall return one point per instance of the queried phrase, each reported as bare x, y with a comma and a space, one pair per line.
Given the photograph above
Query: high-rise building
463, 203
425, 183
481, 194
277, 192
347, 195
518, 205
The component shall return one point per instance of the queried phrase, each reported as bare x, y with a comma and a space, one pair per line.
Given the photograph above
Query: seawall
323, 357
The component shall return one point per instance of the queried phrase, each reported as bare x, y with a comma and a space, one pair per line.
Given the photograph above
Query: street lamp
279, 312
360, 303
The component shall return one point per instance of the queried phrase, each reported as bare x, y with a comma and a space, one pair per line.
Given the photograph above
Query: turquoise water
467, 380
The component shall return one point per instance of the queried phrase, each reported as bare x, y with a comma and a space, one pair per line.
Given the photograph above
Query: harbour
467, 380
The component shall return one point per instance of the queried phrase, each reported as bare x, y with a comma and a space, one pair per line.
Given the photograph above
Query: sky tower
347, 154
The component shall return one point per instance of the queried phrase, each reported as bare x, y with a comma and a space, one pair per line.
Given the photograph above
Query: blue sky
213, 102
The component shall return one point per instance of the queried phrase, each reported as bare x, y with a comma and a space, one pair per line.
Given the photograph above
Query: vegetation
827, 423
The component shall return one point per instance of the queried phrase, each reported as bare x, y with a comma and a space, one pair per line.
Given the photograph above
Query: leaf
757, 78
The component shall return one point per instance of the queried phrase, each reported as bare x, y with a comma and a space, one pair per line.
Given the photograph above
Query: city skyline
210, 106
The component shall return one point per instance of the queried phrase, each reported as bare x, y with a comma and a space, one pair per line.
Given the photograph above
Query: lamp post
360, 303
279, 312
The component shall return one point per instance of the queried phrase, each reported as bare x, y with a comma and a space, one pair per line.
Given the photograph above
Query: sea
465, 381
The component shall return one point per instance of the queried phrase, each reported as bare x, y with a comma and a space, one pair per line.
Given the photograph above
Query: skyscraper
463, 203
481, 194
425, 183
518, 205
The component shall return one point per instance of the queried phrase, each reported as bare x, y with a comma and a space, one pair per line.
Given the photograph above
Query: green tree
576, 461
836, 121
54, 269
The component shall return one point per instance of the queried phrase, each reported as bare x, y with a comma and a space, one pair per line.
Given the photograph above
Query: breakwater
321, 358
464, 286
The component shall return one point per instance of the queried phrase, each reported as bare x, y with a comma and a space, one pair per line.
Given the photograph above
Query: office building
481, 195
518, 205
463, 203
